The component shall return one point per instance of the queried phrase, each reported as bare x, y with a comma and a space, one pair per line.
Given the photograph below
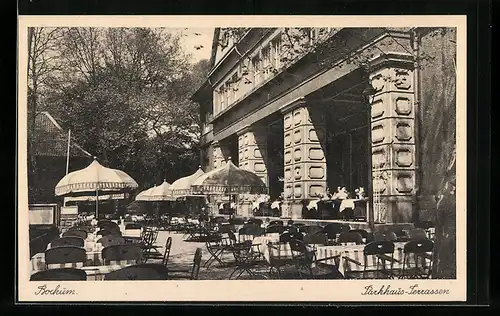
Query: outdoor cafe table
351, 251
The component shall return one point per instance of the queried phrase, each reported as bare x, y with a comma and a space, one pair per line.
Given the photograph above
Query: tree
124, 92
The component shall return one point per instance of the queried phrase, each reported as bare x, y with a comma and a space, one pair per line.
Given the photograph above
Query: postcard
242, 158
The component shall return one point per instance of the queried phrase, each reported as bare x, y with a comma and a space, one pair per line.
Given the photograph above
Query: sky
196, 37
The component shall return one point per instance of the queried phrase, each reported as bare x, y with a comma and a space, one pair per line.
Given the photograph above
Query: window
229, 94
234, 87
222, 99
276, 52
257, 68
266, 61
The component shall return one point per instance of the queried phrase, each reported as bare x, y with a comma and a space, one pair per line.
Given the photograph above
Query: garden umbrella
95, 178
229, 180
158, 193
182, 187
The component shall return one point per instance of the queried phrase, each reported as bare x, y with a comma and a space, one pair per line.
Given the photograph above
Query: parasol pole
97, 203
67, 158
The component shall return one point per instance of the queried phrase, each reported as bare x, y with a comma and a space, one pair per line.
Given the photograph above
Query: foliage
124, 93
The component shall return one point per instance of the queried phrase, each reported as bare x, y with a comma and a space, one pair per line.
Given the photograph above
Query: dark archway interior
275, 161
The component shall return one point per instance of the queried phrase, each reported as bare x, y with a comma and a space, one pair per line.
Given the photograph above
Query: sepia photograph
242, 158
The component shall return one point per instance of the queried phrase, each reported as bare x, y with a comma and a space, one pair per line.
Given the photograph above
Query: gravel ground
182, 254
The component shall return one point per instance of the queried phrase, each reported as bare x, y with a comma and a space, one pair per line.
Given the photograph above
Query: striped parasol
95, 178
229, 180
183, 186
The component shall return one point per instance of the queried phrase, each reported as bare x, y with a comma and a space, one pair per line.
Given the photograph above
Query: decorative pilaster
304, 158
217, 155
252, 156
393, 141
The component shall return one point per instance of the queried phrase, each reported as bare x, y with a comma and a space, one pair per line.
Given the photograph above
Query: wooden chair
65, 256
246, 256
309, 267
350, 238
275, 228
332, 230
417, 234
146, 271
315, 239
311, 229
126, 252
385, 236
106, 232
364, 234
67, 241
75, 233
111, 240
60, 274
276, 222
166, 254
380, 252
420, 252
193, 272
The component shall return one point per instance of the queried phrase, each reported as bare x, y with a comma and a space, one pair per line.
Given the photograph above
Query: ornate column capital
287, 108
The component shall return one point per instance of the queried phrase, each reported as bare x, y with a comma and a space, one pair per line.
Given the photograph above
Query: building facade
289, 105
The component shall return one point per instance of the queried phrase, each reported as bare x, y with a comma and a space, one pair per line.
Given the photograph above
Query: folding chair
193, 272
215, 247
246, 256
307, 264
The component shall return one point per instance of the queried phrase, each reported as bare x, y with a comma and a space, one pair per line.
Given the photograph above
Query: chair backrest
379, 247
65, 254
106, 232
350, 237
362, 232
287, 236
226, 228
75, 233
333, 229
149, 236
381, 236
271, 229
236, 221
417, 234
256, 221
196, 264
312, 229
276, 222
133, 226
292, 229
419, 246
146, 271
67, 241
166, 254
315, 239
299, 250
60, 274
111, 240
103, 222
128, 252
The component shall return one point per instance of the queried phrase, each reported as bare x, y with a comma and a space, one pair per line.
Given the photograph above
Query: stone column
252, 156
305, 161
393, 141
217, 155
